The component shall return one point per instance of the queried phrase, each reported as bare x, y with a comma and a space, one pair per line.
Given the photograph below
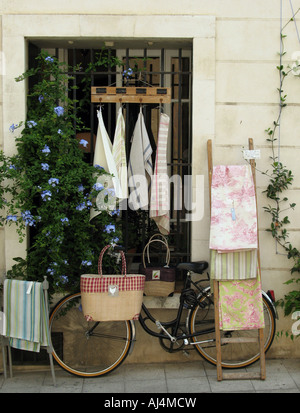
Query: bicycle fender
133, 340
271, 304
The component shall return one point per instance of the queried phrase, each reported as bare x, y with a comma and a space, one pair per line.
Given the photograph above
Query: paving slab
283, 376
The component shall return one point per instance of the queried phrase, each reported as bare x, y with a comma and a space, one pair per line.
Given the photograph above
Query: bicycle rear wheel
234, 355
83, 348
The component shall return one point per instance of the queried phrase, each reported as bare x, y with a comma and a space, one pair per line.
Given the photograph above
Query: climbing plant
47, 189
281, 179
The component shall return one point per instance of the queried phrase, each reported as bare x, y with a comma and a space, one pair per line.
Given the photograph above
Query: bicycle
92, 349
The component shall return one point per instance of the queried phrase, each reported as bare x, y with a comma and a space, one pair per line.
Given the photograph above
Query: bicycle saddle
197, 267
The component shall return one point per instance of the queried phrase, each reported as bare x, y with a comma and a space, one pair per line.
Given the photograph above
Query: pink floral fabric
241, 305
233, 209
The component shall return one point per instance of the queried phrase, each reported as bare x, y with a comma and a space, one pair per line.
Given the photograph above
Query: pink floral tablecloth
233, 209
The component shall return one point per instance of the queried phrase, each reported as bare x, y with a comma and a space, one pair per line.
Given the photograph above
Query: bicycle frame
175, 323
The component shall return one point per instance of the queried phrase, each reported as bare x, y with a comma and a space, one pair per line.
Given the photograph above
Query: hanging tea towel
160, 202
140, 167
103, 157
119, 154
25, 315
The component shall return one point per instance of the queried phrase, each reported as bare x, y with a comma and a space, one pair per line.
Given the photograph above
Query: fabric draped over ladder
233, 243
140, 167
25, 315
160, 202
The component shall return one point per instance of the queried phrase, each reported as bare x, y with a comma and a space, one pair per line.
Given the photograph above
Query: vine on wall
280, 179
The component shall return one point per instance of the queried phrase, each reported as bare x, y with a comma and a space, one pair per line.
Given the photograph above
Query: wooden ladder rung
239, 340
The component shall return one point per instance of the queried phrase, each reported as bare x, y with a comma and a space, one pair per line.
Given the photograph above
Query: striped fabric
119, 154
140, 167
26, 322
233, 265
90, 283
160, 203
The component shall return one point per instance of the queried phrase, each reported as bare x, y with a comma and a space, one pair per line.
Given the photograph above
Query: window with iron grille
162, 67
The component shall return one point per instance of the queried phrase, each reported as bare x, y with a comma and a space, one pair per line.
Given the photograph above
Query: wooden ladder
219, 340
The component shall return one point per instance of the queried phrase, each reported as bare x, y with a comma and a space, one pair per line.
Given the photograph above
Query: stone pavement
283, 376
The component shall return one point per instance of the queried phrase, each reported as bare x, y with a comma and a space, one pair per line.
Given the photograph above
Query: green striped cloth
237, 265
26, 322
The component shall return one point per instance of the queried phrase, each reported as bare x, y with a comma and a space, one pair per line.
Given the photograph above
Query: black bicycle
91, 349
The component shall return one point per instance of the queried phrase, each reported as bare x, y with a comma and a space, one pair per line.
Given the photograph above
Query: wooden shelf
104, 94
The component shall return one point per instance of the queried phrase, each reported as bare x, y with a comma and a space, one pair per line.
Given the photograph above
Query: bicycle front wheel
234, 355
87, 349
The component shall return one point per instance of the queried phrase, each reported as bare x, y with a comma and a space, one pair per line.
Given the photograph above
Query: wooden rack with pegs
103, 94
219, 340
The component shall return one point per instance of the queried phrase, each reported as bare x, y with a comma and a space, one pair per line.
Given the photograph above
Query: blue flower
41, 98
53, 181
60, 131
115, 212
80, 207
98, 186
46, 195
80, 188
64, 220
49, 59
85, 262
83, 142
98, 167
28, 218
127, 73
12, 127
11, 218
110, 228
45, 166
59, 110
50, 271
31, 123
64, 279
110, 191
46, 149
114, 241
12, 167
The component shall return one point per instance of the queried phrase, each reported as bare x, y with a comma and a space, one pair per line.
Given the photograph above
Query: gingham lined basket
111, 297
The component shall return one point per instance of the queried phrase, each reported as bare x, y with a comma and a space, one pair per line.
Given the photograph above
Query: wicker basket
111, 297
160, 280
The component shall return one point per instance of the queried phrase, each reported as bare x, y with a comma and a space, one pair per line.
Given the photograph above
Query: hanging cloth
119, 154
160, 203
233, 209
239, 265
103, 157
241, 304
140, 167
25, 315
233, 229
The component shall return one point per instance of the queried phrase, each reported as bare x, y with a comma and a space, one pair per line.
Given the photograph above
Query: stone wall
235, 81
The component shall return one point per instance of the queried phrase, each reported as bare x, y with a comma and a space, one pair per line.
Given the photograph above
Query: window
164, 66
